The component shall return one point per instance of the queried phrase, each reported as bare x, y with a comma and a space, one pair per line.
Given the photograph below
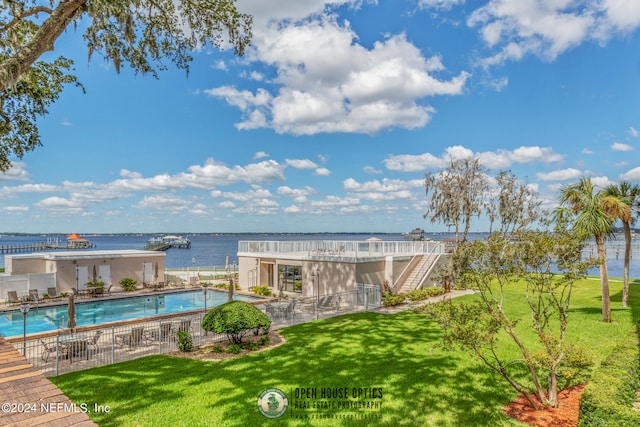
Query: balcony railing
337, 248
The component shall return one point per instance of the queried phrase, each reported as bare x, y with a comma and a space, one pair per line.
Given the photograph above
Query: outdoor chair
164, 333
33, 295
52, 292
12, 296
48, 349
93, 341
133, 339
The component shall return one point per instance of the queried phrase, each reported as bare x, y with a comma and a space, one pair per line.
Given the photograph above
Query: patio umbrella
71, 313
95, 274
230, 297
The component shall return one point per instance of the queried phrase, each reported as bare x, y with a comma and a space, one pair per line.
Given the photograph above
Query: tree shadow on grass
421, 385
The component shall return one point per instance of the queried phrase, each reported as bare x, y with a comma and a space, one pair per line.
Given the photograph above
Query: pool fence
57, 353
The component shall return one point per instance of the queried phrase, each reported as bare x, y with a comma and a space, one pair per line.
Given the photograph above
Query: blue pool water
46, 319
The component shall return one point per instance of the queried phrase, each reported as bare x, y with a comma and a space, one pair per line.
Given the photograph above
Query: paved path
29, 399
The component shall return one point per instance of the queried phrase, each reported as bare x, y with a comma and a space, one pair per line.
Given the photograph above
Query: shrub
607, 399
425, 293
234, 348
263, 290
217, 349
185, 342
389, 299
235, 319
252, 346
128, 284
264, 340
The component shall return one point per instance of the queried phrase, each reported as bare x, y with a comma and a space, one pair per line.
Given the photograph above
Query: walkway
29, 399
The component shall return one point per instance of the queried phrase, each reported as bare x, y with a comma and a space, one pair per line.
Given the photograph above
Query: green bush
425, 293
263, 290
252, 346
264, 340
389, 299
235, 319
185, 342
234, 348
607, 399
217, 349
128, 284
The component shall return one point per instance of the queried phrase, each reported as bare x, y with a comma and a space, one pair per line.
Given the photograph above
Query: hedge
608, 398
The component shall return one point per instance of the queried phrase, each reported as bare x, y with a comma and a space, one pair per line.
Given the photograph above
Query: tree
546, 264
235, 319
626, 203
457, 194
142, 33
591, 219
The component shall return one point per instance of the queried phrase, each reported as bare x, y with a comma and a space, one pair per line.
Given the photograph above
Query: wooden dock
36, 247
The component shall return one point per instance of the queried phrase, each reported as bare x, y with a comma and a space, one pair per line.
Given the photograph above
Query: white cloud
601, 181
618, 146
301, 163
439, 4
17, 172
386, 185
633, 132
14, 209
130, 174
586, 151
499, 159
327, 82
371, 170
512, 29
285, 190
560, 175
322, 172
631, 175
260, 155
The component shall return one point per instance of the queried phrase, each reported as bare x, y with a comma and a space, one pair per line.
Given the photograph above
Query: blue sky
333, 116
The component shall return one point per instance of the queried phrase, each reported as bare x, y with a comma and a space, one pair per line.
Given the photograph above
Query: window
291, 278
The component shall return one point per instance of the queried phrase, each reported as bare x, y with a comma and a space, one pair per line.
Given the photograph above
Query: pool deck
50, 302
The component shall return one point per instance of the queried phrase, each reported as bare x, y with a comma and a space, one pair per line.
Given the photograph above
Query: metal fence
287, 312
95, 346
90, 347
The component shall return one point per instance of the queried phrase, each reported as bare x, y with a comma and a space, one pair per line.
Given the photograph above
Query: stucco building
65, 270
321, 267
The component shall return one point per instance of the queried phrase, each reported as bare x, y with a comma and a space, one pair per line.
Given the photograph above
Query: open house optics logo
272, 403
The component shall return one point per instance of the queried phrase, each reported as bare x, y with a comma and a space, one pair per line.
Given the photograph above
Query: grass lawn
420, 384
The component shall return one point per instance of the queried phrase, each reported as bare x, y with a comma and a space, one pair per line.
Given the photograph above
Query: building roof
65, 255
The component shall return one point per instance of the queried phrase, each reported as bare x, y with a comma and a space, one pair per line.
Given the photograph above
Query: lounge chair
12, 296
52, 292
134, 338
33, 295
93, 341
48, 349
164, 333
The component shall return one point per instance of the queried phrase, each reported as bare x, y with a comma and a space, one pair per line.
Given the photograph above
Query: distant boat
415, 234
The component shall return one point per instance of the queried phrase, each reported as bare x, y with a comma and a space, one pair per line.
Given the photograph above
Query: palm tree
627, 195
591, 220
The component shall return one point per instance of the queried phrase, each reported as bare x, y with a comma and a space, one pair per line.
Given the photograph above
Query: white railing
349, 248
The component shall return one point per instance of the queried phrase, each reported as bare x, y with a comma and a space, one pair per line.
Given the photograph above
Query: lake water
211, 250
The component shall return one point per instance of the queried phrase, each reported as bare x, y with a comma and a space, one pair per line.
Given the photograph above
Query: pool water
45, 319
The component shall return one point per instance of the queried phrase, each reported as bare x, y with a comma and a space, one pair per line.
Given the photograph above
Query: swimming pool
45, 319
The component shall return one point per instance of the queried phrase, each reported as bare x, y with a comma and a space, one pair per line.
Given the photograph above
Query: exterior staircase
418, 273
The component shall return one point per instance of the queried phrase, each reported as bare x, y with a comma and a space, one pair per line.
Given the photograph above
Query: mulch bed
566, 415
205, 352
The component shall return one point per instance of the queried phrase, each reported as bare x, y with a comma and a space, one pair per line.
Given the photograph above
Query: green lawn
421, 384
